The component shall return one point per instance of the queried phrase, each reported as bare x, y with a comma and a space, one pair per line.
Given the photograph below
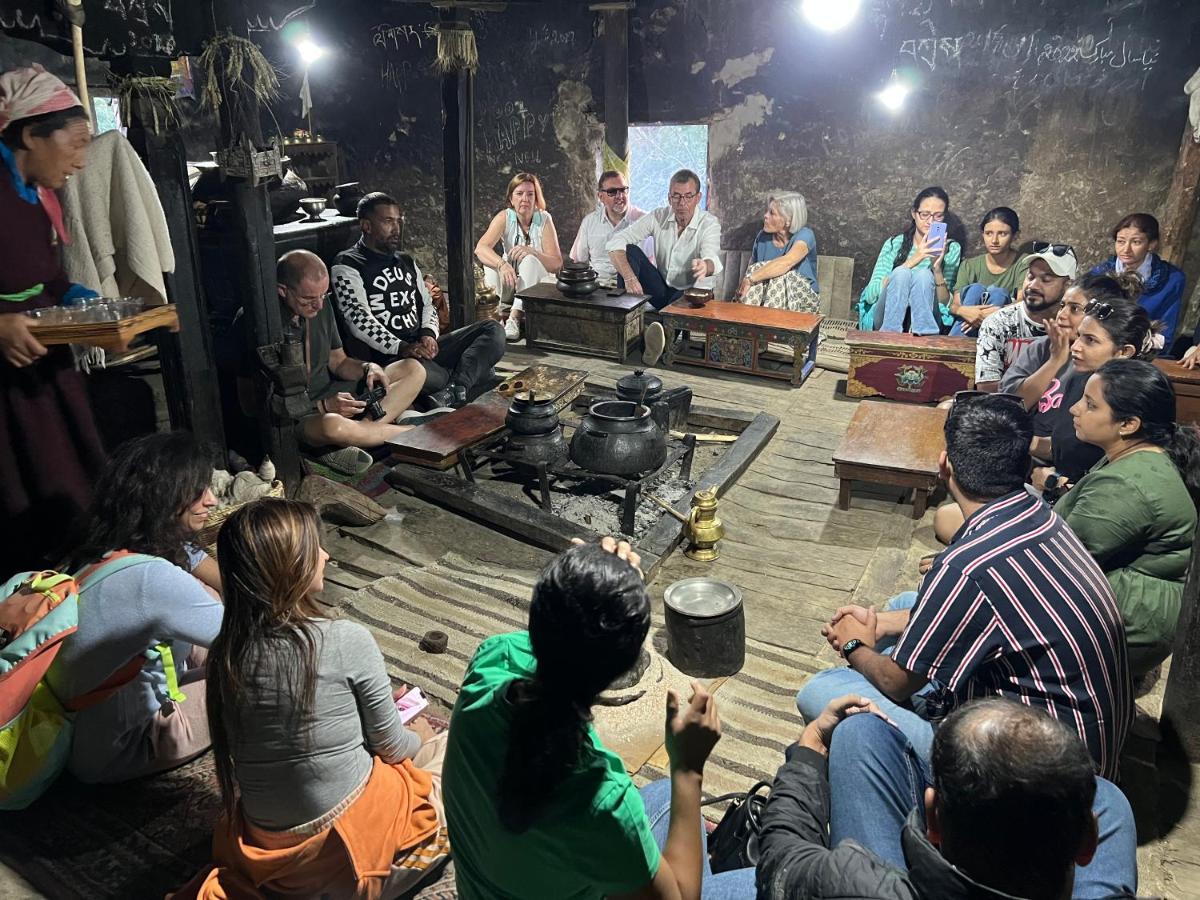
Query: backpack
40, 610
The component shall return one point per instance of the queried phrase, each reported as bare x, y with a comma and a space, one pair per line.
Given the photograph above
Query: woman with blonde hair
325, 792
529, 248
783, 269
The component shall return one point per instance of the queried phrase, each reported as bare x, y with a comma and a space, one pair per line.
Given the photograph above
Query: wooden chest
597, 325
908, 367
1187, 390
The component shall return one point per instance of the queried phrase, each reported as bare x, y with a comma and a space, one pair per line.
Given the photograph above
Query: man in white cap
1005, 332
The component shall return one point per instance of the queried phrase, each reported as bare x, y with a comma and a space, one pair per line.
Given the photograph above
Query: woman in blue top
1134, 241
783, 268
909, 277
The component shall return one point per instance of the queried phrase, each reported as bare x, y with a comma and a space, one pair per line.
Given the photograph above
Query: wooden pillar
458, 164
189, 368
1179, 211
616, 84
1181, 703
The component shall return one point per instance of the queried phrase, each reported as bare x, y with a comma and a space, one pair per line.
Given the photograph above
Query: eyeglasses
679, 198
1056, 249
1098, 309
614, 192
926, 216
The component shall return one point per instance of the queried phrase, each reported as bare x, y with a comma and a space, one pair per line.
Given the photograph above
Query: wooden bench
596, 325
736, 337
908, 367
1187, 390
891, 444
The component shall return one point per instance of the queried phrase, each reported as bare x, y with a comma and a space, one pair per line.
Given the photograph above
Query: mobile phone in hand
935, 240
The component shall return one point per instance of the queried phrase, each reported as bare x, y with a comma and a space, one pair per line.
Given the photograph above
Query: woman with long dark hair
537, 806
910, 277
1135, 511
989, 281
325, 792
139, 628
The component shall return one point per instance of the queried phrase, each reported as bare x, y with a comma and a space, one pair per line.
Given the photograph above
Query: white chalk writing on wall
269, 23
543, 37
395, 37
511, 132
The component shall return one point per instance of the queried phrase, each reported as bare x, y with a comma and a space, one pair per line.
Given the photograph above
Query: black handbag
733, 844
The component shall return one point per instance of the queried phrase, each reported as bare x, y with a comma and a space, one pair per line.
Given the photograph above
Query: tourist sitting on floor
325, 792
537, 805
1051, 267
1011, 808
338, 418
992, 279
1015, 606
1135, 511
386, 312
1116, 328
1134, 241
142, 628
910, 279
783, 264
529, 249
614, 213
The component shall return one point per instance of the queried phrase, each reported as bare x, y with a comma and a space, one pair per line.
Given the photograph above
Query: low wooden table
736, 337
887, 443
1187, 390
908, 367
595, 325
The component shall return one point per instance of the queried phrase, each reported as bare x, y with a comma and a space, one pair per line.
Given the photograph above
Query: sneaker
452, 395
415, 417
655, 340
346, 460
512, 329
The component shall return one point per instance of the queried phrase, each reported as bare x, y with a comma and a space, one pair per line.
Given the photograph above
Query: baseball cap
1059, 257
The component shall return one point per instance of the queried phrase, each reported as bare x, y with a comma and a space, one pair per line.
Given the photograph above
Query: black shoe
452, 395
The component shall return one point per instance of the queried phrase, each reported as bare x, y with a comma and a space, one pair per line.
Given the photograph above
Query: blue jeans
660, 293
725, 886
832, 683
876, 779
913, 291
978, 295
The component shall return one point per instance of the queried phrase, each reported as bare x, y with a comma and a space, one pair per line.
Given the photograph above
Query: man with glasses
1014, 607
1006, 331
615, 213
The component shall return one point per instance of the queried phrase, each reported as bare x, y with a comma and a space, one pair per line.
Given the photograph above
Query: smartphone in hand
935, 240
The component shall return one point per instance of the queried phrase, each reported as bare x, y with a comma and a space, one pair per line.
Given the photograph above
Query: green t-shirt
593, 837
975, 271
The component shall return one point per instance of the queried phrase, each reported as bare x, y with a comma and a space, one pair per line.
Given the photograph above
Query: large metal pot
529, 415
618, 437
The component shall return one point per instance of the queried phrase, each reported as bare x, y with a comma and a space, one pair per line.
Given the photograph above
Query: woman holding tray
50, 450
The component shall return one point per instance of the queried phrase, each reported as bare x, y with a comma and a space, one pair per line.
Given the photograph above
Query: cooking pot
577, 279
618, 437
527, 414
639, 387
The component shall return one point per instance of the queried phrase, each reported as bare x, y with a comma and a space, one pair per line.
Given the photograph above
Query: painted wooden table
1187, 389
908, 367
736, 338
894, 444
599, 324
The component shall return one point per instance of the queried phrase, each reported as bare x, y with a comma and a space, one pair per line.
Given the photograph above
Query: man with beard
386, 312
1002, 334
614, 213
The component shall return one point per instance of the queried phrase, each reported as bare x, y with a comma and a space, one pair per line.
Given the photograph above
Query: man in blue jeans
1011, 807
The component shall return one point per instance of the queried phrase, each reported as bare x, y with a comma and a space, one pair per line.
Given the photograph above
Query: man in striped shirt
1014, 606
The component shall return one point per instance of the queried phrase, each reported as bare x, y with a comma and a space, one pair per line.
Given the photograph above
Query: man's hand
344, 404
375, 376
622, 549
926, 563
851, 625
633, 286
1039, 476
430, 346
421, 728
819, 732
699, 268
17, 343
692, 729
435, 289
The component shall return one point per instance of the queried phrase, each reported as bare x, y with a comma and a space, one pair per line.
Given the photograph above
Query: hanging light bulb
310, 51
894, 94
830, 15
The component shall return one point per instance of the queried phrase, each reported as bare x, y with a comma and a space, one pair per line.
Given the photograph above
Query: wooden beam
458, 162
1181, 703
616, 88
1179, 211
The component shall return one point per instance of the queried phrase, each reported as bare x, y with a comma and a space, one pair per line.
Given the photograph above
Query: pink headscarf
32, 91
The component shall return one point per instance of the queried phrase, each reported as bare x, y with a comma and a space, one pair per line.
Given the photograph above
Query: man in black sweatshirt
385, 311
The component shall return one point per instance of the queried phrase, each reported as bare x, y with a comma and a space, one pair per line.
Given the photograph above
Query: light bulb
893, 96
830, 15
309, 51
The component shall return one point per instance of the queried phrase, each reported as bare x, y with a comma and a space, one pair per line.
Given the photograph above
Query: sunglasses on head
1098, 309
1056, 249
614, 192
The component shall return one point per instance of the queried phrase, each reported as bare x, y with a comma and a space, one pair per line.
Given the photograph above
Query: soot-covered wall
1069, 112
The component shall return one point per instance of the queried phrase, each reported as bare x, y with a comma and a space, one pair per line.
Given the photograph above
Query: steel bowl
702, 597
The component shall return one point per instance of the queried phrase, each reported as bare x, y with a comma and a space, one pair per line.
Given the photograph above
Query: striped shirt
1017, 607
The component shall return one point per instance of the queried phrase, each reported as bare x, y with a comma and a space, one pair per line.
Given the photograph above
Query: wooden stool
887, 443
908, 367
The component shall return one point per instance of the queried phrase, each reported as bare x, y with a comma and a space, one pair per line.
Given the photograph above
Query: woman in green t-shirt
1135, 511
990, 280
536, 805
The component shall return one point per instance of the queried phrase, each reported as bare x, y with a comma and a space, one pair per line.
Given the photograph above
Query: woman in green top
1135, 510
990, 280
910, 278
537, 806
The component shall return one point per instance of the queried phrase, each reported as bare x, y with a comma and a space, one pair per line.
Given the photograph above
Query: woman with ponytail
1135, 511
537, 806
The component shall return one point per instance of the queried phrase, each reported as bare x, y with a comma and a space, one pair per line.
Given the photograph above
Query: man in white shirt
687, 245
615, 213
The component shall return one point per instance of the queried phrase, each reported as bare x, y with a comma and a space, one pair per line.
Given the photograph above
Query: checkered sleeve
351, 297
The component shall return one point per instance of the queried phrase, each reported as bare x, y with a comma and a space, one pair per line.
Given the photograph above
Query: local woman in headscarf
50, 450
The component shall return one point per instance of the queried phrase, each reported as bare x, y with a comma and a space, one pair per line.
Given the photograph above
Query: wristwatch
850, 646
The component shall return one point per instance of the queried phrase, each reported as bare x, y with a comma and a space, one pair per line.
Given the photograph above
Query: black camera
1055, 485
374, 408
